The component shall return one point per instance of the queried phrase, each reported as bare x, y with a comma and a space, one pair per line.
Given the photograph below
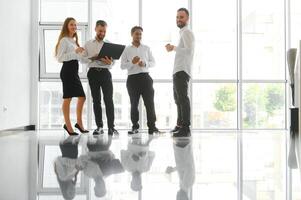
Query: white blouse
66, 51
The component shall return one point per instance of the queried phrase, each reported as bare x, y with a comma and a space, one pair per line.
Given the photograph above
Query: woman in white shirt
65, 167
68, 52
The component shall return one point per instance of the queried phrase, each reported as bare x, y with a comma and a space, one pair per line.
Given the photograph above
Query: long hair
65, 32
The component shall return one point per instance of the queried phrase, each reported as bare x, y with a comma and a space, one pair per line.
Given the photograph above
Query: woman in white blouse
68, 52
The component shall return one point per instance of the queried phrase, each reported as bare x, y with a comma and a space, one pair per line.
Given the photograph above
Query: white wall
15, 63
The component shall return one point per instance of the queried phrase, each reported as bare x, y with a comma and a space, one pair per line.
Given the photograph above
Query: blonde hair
65, 32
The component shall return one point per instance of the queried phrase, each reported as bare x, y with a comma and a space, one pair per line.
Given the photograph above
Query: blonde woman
68, 52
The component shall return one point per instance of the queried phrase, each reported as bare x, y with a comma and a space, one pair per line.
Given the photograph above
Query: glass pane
50, 113
120, 22
295, 22
263, 39
160, 28
50, 39
121, 108
215, 53
216, 171
165, 106
263, 105
264, 165
58, 10
214, 105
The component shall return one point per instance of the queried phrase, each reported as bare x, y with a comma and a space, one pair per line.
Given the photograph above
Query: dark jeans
141, 85
180, 90
102, 79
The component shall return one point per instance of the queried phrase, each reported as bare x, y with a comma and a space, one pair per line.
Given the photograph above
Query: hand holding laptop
96, 57
107, 60
108, 52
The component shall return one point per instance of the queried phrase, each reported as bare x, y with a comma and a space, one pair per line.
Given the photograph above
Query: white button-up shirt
92, 48
184, 51
141, 51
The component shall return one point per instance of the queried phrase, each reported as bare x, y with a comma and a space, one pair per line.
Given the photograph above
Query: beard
181, 25
100, 37
137, 40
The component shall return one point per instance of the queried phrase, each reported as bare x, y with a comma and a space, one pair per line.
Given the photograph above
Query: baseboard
30, 128
22, 128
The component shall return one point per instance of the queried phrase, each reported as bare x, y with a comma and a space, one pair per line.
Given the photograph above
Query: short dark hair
135, 28
184, 10
101, 23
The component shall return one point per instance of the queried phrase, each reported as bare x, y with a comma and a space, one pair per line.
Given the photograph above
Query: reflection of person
182, 73
68, 52
100, 78
137, 159
65, 167
137, 58
99, 163
184, 166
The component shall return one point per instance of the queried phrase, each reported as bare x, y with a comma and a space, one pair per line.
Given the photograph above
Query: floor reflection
209, 165
93, 167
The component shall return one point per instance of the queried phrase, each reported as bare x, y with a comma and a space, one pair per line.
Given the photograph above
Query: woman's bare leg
79, 111
66, 112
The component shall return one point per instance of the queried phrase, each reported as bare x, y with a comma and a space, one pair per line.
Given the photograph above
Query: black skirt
72, 86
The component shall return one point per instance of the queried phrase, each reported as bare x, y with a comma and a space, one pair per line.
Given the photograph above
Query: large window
238, 79
57, 10
216, 42
49, 37
214, 105
51, 116
263, 39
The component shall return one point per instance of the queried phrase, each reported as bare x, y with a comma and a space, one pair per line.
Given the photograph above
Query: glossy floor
223, 165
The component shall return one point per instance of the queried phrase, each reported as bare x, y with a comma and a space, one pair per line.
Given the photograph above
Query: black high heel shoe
65, 127
80, 129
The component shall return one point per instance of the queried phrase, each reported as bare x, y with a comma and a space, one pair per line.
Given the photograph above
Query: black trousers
141, 85
101, 79
180, 91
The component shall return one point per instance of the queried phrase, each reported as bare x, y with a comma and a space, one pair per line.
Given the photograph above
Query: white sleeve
125, 62
188, 40
151, 60
63, 54
84, 57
